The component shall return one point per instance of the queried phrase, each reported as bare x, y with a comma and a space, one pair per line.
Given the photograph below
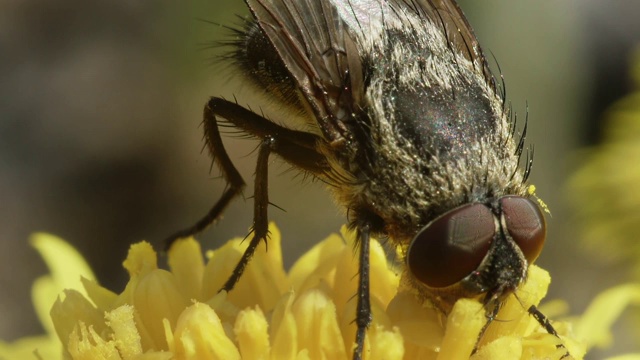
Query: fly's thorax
422, 150
399, 187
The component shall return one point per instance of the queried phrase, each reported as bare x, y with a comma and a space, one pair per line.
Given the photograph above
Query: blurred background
100, 138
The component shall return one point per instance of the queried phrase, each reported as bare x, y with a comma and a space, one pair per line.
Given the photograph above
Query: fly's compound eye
525, 223
452, 246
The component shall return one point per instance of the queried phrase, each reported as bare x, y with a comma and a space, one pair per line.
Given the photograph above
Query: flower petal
263, 281
199, 334
33, 347
67, 313
187, 265
508, 347
384, 282
125, 333
317, 264
463, 326
594, 326
102, 297
86, 344
420, 324
65, 263
158, 297
385, 344
317, 324
141, 259
514, 317
252, 335
348, 325
66, 266
284, 329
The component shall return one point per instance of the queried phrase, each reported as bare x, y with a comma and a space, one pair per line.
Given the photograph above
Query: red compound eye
452, 246
525, 223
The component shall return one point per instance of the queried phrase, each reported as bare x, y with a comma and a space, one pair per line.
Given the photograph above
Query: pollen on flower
306, 313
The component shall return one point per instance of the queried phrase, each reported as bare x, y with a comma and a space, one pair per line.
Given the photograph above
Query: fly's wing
369, 15
313, 42
459, 33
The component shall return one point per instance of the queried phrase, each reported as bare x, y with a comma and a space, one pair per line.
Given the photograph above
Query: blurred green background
100, 142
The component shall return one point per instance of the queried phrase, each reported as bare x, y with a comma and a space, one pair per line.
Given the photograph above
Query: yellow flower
604, 190
304, 314
67, 267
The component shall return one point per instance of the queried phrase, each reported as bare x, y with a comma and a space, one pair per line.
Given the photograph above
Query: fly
406, 125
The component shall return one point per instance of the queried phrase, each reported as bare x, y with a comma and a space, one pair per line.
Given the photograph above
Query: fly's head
477, 249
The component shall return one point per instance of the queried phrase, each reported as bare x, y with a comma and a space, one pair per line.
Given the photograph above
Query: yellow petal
33, 347
508, 347
199, 334
125, 334
284, 329
252, 335
625, 357
86, 344
103, 298
348, 326
66, 267
73, 309
141, 259
156, 355
514, 317
318, 329
543, 346
345, 282
219, 267
385, 344
420, 324
594, 326
462, 329
65, 263
158, 297
187, 265
263, 281
225, 310
317, 264
384, 282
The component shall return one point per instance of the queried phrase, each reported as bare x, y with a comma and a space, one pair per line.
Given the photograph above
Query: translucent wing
459, 33
313, 42
368, 15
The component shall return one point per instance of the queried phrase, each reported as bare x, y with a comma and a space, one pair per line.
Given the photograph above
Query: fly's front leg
296, 147
546, 324
260, 203
491, 317
219, 155
533, 311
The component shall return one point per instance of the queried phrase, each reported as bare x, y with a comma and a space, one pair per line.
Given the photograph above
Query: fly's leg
363, 307
544, 322
234, 180
260, 221
491, 317
535, 313
295, 147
